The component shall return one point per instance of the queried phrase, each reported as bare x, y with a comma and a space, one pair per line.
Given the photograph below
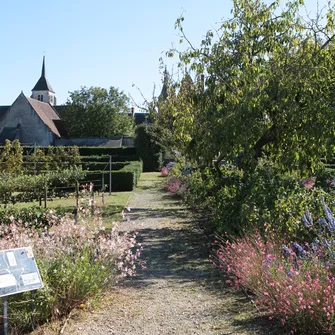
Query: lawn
111, 210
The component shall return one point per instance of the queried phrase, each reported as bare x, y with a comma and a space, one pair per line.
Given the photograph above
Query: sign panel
18, 271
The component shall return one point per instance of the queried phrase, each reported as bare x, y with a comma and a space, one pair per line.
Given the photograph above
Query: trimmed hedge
105, 158
100, 166
122, 180
98, 151
147, 147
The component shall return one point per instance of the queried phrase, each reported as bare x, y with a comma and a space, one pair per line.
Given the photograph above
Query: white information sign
18, 271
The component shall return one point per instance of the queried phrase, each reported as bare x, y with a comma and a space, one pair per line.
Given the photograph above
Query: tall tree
269, 91
97, 112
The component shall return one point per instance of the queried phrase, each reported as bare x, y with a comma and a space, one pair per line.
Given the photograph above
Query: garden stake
103, 188
33, 307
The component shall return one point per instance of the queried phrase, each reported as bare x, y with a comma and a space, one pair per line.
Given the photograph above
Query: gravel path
179, 292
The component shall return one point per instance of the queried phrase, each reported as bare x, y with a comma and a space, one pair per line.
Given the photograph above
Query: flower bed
78, 262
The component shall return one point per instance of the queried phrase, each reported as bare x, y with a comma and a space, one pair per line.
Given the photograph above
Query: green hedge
98, 151
105, 158
123, 180
86, 151
147, 147
100, 166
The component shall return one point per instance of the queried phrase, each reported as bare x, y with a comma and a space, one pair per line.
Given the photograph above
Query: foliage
100, 151
97, 112
11, 157
261, 86
147, 148
77, 261
124, 179
37, 217
53, 158
34, 186
290, 281
234, 200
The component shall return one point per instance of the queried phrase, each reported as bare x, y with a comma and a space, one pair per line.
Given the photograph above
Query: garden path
179, 292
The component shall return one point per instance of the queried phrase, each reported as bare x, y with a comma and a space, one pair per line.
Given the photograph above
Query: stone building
35, 119
38, 120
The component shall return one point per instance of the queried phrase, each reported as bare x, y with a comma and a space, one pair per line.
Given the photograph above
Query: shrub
235, 200
147, 148
77, 261
37, 217
291, 281
97, 151
124, 179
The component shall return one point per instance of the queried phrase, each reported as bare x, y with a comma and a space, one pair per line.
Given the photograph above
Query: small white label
30, 278
7, 280
29, 252
11, 258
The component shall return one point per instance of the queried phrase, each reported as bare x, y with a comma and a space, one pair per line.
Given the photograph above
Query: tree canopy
263, 86
97, 112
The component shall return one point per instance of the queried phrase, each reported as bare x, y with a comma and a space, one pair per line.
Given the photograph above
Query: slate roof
3, 110
142, 118
60, 109
46, 113
43, 84
61, 126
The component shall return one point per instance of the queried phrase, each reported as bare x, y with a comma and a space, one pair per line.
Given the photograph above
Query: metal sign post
18, 273
5, 316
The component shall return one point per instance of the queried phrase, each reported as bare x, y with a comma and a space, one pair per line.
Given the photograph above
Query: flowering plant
78, 261
291, 281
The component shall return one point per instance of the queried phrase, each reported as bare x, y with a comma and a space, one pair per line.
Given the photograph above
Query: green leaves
267, 90
97, 112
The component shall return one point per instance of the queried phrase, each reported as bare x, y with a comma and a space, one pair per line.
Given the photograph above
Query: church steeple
164, 92
43, 67
42, 90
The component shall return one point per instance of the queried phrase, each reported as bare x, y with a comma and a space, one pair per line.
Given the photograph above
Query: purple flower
307, 219
286, 251
298, 249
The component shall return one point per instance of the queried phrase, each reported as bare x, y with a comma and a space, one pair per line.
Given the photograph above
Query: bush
124, 179
98, 151
99, 166
235, 200
78, 262
147, 148
290, 281
34, 217
105, 158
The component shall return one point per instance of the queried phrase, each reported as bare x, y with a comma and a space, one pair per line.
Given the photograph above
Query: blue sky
97, 43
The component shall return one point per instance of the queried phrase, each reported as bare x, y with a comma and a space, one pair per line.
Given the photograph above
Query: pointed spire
43, 67
164, 92
43, 83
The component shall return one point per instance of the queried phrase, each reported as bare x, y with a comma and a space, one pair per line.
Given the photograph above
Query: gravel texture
179, 292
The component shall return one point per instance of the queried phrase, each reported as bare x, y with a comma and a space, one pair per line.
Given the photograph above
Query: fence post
45, 196
103, 187
110, 175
